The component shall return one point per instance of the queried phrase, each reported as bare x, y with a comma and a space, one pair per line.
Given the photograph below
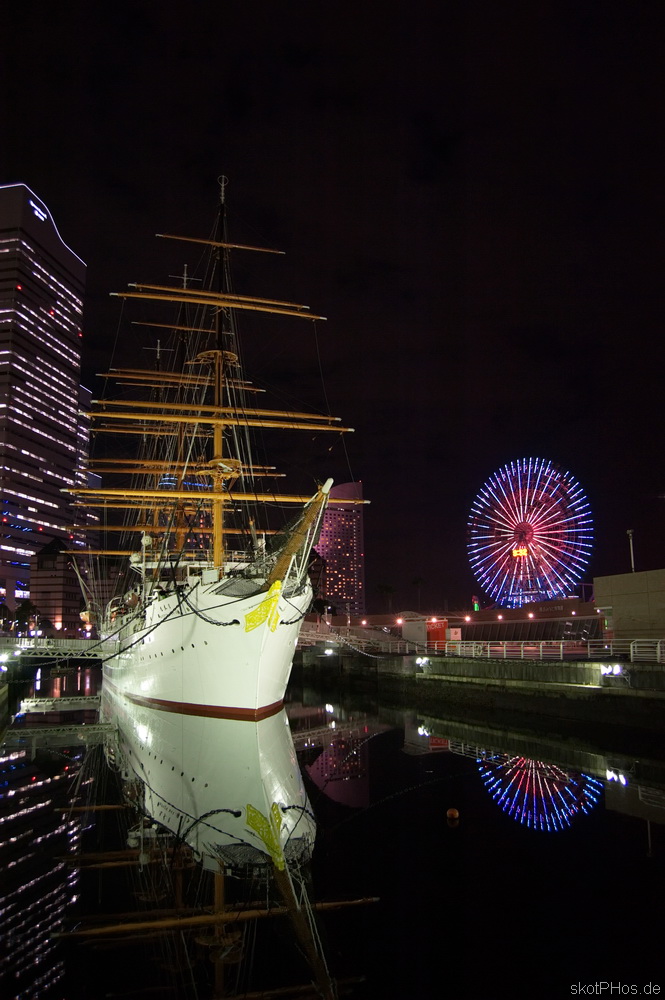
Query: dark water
546, 881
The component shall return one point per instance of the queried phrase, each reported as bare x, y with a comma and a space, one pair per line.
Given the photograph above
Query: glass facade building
43, 441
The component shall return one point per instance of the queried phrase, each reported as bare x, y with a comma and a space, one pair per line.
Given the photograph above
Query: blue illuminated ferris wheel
530, 533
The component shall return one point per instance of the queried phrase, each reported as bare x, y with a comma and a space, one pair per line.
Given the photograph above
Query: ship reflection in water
230, 790
213, 828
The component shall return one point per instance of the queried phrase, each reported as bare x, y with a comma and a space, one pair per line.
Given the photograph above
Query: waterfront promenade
596, 683
369, 641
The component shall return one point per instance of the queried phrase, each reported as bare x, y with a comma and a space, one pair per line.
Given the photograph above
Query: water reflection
231, 790
541, 796
39, 840
381, 784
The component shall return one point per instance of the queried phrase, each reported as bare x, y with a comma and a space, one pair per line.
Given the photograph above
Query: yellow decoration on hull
268, 831
266, 610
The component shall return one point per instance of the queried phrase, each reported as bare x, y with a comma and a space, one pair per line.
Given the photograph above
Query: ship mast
223, 254
217, 473
214, 371
218, 430
221, 468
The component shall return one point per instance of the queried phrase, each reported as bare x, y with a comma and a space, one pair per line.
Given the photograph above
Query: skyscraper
42, 447
341, 546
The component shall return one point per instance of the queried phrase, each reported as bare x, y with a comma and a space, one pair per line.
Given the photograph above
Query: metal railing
364, 640
373, 641
633, 650
40, 646
370, 640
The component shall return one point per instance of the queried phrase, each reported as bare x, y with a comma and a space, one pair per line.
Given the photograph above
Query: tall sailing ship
212, 596
207, 622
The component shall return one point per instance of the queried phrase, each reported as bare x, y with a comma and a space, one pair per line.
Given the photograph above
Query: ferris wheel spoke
500, 509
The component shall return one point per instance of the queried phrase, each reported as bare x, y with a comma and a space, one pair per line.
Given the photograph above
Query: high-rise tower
41, 441
341, 546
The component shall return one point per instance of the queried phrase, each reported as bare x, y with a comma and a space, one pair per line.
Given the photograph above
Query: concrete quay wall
539, 674
576, 691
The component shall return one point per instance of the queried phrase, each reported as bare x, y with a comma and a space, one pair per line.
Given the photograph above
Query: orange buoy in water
452, 814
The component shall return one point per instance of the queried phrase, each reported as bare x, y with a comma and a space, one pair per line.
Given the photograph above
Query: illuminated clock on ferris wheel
530, 533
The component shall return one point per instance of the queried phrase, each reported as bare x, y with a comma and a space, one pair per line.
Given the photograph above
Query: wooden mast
217, 370
217, 474
218, 503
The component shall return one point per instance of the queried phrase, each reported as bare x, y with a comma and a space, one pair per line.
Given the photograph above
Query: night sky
470, 191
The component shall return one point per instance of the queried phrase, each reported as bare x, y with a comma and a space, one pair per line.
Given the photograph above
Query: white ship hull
203, 654
196, 691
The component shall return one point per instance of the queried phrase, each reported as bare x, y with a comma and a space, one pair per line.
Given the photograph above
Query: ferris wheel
530, 533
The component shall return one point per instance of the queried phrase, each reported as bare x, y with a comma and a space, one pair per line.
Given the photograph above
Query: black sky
470, 191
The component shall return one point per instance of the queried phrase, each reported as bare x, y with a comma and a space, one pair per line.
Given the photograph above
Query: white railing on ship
366, 640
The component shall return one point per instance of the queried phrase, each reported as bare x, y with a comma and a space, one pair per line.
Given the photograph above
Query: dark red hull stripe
204, 711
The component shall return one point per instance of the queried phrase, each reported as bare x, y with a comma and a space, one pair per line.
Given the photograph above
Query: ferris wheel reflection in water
539, 795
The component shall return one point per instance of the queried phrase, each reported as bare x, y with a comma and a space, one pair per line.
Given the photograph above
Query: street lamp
632, 554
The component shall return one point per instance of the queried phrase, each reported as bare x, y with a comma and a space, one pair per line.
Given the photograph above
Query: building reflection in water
333, 746
38, 841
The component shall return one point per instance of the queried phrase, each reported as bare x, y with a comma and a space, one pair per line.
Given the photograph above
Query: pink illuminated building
341, 548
